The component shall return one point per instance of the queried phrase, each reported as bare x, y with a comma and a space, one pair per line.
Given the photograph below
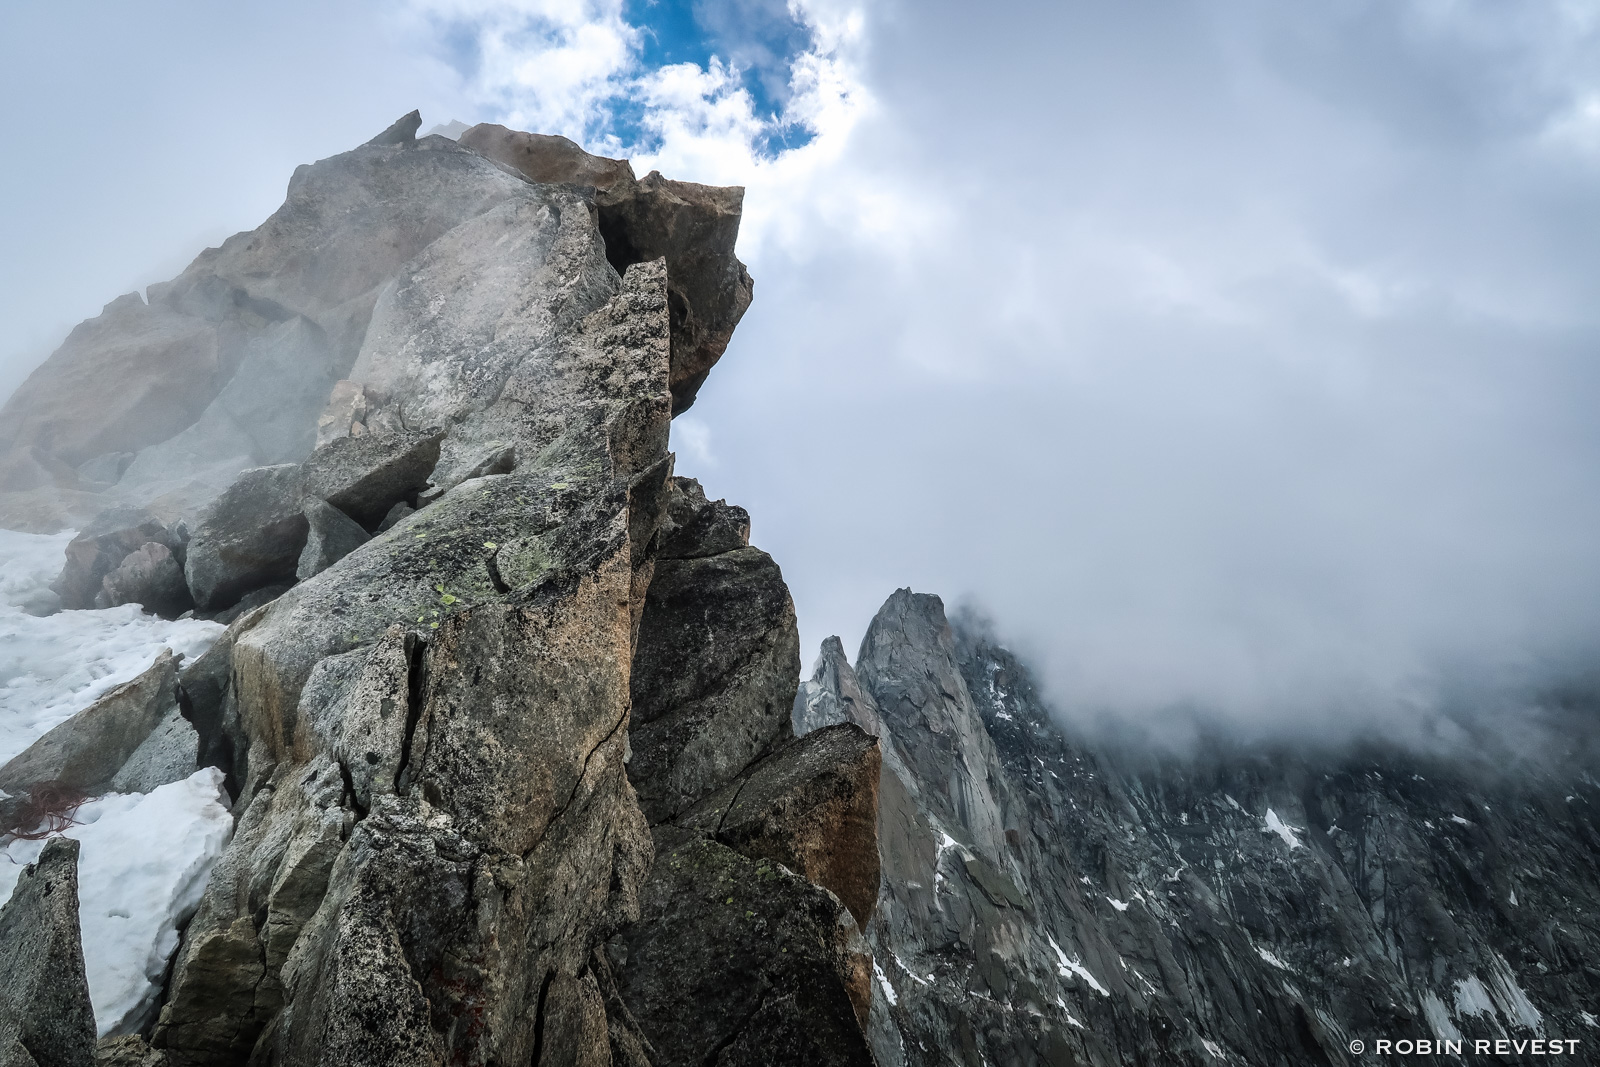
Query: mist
1239, 360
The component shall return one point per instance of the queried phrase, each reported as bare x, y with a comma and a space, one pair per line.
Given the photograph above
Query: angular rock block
717, 659
149, 576
249, 537
365, 476
811, 806
332, 535
735, 960
45, 1014
86, 752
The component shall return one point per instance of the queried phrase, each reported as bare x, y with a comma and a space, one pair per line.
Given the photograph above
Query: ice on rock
53, 667
144, 862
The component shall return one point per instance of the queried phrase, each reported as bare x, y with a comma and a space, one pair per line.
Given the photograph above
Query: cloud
1236, 357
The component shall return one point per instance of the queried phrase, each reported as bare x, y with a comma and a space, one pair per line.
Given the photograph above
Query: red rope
49, 809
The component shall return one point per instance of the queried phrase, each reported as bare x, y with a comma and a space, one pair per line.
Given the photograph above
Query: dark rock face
718, 657
736, 960
1047, 903
250, 536
86, 752
813, 807
45, 1016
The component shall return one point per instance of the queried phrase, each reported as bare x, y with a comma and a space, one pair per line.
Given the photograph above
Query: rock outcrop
693, 226
1045, 901
470, 612
86, 752
45, 1016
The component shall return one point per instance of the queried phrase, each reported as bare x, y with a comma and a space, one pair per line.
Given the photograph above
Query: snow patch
143, 864
1070, 966
883, 980
1120, 905
1588, 1019
1438, 1016
1070, 1018
1472, 998
1270, 958
1459, 819
1213, 1048
1277, 826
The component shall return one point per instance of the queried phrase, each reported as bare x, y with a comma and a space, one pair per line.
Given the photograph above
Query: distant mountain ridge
1046, 901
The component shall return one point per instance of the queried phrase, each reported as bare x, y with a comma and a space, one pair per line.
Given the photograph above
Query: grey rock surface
718, 657
367, 475
331, 536
150, 576
86, 752
133, 376
45, 1015
248, 537
694, 227
1047, 901
170, 754
105, 469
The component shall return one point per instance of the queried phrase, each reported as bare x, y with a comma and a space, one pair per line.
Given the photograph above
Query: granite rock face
1046, 901
45, 1016
718, 659
250, 536
481, 646
693, 227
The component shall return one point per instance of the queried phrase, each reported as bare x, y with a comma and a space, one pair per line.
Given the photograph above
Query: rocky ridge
1047, 901
502, 705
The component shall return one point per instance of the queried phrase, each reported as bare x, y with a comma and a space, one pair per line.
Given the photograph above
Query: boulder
100, 548
248, 537
366, 476
133, 376
545, 158
150, 576
44, 996
813, 807
106, 469
694, 227
332, 536
170, 754
717, 660
737, 960
86, 752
